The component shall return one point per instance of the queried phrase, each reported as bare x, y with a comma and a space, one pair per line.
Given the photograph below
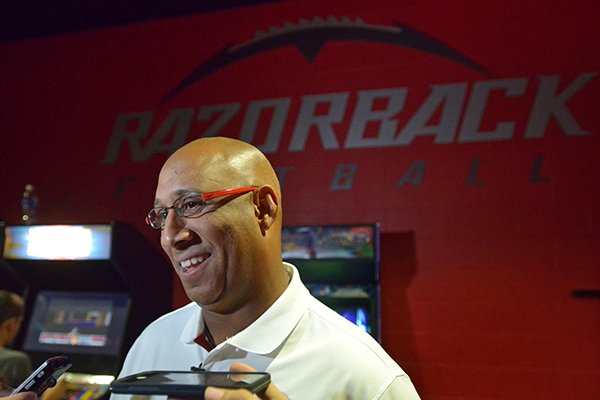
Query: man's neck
223, 326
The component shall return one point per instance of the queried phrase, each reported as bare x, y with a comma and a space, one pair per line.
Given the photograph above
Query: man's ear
9, 326
4, 326
266, 206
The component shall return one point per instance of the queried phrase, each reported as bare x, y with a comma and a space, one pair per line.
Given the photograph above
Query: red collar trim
203, 342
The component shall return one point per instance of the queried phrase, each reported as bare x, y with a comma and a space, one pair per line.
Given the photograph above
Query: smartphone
44, 376
188, 383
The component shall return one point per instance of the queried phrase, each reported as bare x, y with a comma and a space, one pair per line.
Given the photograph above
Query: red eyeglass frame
213, 195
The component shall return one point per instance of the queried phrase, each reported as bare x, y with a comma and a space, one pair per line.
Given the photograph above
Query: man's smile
192, 263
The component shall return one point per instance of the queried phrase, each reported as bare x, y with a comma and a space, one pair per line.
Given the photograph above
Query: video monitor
58, 242
77, 323
330, 242
357, 304
358, 315
340, 254
361, 312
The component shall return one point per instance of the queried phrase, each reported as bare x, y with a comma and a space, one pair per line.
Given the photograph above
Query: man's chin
200, 297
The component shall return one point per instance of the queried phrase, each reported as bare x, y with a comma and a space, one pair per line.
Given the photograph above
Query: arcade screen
77, 322
355, 303
358, 315
329, 242
58, 242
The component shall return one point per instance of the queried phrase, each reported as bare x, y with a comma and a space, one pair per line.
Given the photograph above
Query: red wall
482, 170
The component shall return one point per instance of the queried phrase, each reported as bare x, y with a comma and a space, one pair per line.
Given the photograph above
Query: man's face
213, 253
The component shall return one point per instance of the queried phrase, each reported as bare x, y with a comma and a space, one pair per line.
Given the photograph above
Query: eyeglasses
190, 205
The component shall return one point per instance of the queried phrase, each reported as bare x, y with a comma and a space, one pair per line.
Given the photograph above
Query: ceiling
21, 20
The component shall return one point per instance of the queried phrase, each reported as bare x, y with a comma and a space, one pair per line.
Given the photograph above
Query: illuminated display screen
339, 265
354, 303
328, 242
58, 242
357, 315
77, 322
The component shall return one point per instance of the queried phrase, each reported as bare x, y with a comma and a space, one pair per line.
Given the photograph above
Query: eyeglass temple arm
221, 193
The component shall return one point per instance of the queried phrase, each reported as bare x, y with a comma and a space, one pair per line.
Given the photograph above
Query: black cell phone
188, 383
44, 376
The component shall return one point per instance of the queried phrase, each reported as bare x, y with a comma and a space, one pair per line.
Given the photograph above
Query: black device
188, 383
44, 376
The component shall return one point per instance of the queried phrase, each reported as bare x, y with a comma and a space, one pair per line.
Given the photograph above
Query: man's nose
175, 232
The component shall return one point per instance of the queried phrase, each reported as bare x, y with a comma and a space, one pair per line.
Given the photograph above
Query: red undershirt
203, 342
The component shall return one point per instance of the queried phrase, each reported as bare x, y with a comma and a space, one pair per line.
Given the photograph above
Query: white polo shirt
311, 352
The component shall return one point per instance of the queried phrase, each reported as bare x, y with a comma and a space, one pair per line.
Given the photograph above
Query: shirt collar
270, 330
194, 326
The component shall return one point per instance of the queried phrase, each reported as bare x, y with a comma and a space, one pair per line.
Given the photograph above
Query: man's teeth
193, 260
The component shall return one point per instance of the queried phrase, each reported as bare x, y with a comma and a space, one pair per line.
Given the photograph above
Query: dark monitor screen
358, 315
359, 305
77, 322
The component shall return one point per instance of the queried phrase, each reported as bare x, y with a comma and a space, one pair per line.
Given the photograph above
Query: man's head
229, 254
12, 309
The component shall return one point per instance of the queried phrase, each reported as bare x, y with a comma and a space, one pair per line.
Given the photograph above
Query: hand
270, 393
21, 396
56, 392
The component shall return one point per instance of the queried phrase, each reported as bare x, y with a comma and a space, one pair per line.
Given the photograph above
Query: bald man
218, 209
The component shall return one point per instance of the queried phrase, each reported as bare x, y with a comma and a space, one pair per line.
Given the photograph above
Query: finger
270, 393
5, 390
240, 367
212, 393
24, 396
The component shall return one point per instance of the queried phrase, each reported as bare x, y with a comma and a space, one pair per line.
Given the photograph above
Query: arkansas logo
355, 119
309, 37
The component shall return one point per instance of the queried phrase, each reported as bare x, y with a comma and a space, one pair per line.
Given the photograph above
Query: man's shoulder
350, 356
179, 313
173, 319
340, 335
13, 355
331, 320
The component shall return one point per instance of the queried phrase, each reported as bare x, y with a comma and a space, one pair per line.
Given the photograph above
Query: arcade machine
90, 290
9, 278
340, 266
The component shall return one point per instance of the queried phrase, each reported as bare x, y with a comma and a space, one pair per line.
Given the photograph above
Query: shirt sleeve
19, 371
401, 388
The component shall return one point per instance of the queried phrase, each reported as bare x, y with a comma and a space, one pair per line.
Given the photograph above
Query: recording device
44, 376
188, 383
